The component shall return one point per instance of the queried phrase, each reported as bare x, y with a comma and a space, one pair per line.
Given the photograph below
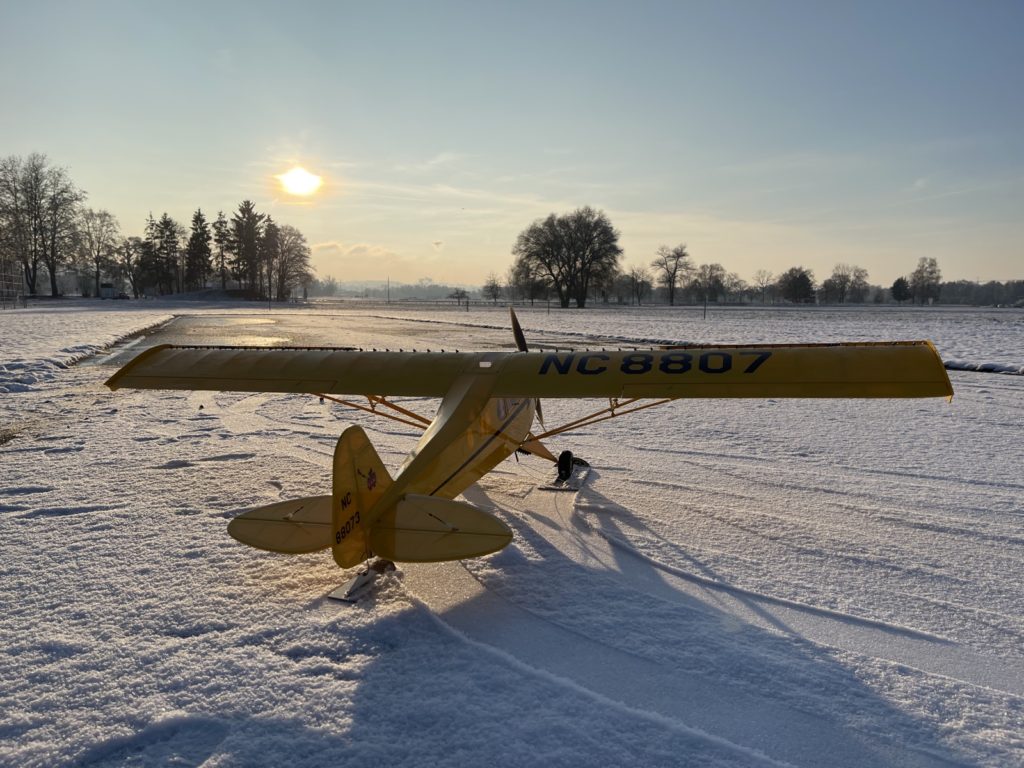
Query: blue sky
762, 135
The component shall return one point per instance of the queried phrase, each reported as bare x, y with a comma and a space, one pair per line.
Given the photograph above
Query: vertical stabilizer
360, 479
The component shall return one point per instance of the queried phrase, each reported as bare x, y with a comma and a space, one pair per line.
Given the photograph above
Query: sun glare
299, 181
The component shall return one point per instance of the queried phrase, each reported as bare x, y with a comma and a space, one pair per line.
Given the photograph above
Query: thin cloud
437, 161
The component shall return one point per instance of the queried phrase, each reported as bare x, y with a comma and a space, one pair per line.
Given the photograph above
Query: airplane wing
854, 369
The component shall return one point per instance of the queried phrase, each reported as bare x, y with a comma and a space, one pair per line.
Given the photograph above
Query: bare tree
671, 266
98, 242
708, 282
859, 286
640, 283
529, 281
61, 200
924, 281
38, 207
512, 287
293, 265
847, 282
763, 279
18, 217
492, 288
572, 251
733, 286
130, 263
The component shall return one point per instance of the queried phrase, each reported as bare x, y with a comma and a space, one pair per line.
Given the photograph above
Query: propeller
517, 331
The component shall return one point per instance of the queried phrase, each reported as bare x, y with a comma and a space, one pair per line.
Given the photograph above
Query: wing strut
611, 412
420, 422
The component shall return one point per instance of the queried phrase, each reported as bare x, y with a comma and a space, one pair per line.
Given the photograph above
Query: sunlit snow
738, 583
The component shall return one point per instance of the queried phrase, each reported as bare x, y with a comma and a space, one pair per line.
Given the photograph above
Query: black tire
565, 465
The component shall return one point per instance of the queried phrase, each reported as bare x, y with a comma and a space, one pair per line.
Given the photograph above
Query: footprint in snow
229, 457
67, 449
174, 464
25, 490
66, 511
180, 739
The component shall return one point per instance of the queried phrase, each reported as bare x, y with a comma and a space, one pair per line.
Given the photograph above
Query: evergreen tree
170, 235
796, 284
270, 256
148, 264
222, 239
159, 262
246, 228
901, 290
198, 253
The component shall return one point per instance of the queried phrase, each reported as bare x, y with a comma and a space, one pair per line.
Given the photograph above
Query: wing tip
114, 382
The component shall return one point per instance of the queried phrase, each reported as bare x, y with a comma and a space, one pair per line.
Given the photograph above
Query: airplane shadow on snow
611, 622
425, 697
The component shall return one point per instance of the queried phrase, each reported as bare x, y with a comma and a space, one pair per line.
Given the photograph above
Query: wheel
564, 465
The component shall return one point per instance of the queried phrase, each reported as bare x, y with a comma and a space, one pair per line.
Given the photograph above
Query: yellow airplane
488, 404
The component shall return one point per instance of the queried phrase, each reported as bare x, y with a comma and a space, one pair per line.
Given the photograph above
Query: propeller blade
517, 331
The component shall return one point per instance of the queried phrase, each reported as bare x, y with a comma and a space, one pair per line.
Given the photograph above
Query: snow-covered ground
739, 582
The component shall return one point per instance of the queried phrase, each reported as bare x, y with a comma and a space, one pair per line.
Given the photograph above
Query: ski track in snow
726, 590
529, 622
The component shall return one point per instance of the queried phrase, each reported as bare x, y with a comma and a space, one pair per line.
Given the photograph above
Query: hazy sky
761, 134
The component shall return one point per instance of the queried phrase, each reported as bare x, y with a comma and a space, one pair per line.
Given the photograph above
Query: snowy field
739, 582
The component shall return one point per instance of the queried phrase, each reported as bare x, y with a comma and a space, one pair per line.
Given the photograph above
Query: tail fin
360, 479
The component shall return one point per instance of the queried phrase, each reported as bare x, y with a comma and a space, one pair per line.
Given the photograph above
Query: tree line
576, 258
45, 224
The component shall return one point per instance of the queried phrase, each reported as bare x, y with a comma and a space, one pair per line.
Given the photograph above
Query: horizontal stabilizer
295, 527
428, 529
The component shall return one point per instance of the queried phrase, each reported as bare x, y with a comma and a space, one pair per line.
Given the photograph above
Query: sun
299, 181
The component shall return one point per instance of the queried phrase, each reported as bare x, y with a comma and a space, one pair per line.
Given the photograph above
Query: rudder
359, 480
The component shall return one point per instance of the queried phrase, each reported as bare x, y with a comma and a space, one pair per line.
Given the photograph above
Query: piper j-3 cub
489, 401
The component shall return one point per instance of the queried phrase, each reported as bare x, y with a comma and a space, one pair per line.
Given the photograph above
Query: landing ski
573, 482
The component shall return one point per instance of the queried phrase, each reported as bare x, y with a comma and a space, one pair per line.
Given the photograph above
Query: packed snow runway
737, 582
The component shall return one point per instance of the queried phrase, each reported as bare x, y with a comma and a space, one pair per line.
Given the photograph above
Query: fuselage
470, 435
501, 428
